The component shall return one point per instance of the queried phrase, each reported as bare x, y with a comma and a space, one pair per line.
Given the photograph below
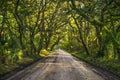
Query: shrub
43, 53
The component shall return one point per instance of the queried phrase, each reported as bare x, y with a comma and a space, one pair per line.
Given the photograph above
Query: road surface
60, 65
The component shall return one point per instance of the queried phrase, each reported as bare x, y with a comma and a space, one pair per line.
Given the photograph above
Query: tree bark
81, 36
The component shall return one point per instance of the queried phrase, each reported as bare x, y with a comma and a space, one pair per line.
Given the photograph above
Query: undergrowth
109, 64
6, 68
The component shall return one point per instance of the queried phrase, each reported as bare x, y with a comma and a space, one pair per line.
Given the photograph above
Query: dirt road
58, 66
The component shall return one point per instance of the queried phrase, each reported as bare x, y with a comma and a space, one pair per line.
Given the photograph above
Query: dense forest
88, 28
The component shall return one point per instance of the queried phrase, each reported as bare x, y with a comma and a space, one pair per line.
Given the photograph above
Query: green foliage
29, 28
6, 68
36, 39
43, 53
13, 57
109, 64
110, 36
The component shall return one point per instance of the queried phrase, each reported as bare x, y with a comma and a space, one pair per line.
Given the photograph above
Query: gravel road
59, 65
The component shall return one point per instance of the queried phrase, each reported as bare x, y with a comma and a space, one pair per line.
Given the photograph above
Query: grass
109, 64
22, 62
5, 68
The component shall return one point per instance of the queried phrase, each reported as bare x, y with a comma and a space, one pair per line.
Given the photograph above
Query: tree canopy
28, 26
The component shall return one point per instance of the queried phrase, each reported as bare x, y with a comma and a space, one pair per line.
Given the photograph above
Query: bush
43, 53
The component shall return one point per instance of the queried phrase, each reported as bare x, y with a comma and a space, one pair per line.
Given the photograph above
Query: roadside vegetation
30, 29
108, 64
20, 63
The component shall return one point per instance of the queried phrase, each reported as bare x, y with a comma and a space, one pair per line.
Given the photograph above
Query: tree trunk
57, 41
81, 36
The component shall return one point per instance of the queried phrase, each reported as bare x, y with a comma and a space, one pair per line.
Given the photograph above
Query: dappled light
32, 30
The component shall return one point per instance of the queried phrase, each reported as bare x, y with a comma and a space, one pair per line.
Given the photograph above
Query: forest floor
61, 65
